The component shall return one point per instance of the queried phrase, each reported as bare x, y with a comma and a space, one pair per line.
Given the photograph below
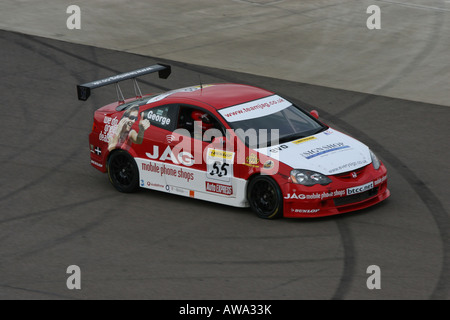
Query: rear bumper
99, 151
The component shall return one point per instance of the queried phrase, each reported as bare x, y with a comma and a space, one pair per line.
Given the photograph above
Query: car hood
330, 152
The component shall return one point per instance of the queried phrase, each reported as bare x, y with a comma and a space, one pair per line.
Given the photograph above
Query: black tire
123, 171
265, 197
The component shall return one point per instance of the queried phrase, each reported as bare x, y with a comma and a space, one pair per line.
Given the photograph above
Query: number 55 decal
220, 165
219, 169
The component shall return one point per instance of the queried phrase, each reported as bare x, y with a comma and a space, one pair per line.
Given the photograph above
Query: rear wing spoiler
84, 90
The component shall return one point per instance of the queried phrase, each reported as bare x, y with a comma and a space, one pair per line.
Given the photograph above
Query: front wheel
123, 172
265, 197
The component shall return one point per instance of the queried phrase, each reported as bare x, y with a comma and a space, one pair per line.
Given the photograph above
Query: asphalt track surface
58, 211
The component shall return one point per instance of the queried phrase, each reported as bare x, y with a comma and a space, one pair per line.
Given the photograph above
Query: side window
164, 117
199, 124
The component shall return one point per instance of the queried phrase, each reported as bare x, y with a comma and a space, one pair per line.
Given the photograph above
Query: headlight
309, 178
375, 162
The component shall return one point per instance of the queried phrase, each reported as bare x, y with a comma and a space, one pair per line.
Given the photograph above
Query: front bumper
345, 194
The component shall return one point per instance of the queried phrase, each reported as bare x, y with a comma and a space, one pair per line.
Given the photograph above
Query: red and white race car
232, 144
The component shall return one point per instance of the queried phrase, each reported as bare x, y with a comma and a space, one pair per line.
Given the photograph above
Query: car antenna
201, 85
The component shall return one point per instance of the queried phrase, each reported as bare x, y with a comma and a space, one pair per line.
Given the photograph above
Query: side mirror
315, 114
218, 142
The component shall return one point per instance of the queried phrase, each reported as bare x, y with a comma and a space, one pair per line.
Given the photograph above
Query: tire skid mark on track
94, 63
349, 260
45, 212
44, 293
426, 195
58, 241
38, 180
32, 143
431, 201
261, 262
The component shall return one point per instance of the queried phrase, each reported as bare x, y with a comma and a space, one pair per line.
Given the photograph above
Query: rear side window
164, 117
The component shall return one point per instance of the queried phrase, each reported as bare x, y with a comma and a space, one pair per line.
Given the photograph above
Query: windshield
285, 123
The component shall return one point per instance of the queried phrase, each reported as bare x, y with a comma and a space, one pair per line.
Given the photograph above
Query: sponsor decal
304, 140
302, 196
95, 163
380, 180
305, 210
316, 195
149, 184
360, 189
110, 128
268, 164
324, 149
98, 151
252, 159
325, 195
170, 138
166, 171
175, 189
257, 108
219, 188
278, 148
183, 157
339, 193
349, 165
123, 76
335, 193
216, 153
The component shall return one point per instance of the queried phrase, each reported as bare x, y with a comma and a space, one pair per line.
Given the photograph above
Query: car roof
220, 95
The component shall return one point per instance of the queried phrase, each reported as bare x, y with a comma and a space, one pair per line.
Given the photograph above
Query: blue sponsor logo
323, 150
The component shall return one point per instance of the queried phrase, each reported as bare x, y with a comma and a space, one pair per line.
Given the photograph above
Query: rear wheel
123, 172
265, 197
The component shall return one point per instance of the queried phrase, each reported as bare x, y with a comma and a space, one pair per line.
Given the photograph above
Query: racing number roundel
219, 165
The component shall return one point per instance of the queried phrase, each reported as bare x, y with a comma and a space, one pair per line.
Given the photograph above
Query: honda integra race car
232, 144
